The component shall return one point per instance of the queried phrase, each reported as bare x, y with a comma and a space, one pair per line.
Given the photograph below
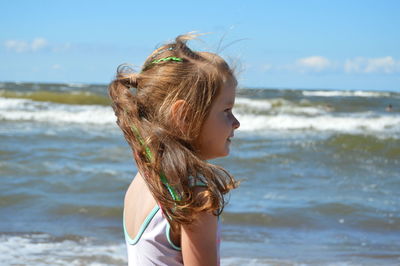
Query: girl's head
179, 109
176, 89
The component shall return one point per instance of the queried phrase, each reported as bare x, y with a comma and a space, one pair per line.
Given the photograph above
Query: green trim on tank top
142, 227
150, 216
167, 233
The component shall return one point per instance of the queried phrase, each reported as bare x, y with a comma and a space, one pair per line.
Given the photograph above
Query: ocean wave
238, 261
16, 199
346, 93
278, 106
28, 110
44, 249
287, 118
65, 97
267, 220
361, 122
365, 145
86, 210
316, 216
262, 105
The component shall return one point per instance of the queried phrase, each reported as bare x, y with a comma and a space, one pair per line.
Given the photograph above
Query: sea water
319, 173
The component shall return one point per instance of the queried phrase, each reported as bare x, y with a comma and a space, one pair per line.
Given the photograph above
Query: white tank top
152, 244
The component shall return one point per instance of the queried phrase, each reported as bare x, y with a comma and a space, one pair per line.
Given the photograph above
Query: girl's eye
228, 112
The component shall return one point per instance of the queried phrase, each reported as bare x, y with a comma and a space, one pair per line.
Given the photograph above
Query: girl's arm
199, 241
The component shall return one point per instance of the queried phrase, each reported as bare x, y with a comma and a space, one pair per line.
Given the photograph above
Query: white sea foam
353, 123
286, 116
278, 105
275, 196
254, 104
346, 93
28, 110
77, 85
42, 249
237, 261
307, 110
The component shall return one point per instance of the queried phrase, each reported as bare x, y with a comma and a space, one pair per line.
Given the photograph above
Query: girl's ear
179, 112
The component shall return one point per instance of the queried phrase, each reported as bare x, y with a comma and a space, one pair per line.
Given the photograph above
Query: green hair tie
170, 58
175, 196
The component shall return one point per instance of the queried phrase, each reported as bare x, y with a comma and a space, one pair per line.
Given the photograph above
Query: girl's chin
215, 156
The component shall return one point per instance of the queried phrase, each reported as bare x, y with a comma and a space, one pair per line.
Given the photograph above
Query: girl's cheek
232, 118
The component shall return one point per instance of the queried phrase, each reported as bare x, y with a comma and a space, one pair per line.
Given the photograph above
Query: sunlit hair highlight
143, 100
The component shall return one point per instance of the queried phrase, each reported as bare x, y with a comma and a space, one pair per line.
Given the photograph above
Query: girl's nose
236, 123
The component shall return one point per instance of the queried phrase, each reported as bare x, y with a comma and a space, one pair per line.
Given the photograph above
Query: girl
176, 114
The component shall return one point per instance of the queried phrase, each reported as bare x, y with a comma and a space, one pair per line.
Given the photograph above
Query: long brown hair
142, 104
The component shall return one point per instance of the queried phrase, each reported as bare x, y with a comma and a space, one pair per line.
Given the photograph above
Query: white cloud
56, 66
266, 67
317, 64
309, 64
372, 65
16, 46
312, 63
62, 47
23, 46
38, 44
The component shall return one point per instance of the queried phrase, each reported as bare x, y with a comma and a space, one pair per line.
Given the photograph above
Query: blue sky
276, 44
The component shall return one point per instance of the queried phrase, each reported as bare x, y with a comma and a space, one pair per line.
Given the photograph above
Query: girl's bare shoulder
138, 204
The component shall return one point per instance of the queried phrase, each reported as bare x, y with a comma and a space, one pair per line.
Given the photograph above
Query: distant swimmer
389, 108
